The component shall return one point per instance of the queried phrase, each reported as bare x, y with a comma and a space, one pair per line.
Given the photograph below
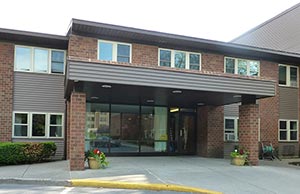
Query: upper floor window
41, 125
179, 59
241, 66
40, 60
114, 51
288, 75
231, 128
288, 130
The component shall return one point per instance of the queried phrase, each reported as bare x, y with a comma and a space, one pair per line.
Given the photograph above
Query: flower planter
238, 161
93, 163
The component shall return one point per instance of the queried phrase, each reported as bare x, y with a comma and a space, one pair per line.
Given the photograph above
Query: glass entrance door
182, 132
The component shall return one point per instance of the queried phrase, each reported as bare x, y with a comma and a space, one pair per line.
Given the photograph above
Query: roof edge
34, 34
181, 37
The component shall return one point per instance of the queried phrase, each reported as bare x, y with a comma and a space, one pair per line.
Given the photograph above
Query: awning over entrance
143, 85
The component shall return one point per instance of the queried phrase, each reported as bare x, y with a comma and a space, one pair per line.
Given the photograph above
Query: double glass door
182, 136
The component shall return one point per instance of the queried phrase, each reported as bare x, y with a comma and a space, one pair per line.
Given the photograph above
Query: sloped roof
281, 32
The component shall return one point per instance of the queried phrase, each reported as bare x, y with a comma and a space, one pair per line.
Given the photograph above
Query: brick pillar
76, 130
6, 90
248, 130
210, 141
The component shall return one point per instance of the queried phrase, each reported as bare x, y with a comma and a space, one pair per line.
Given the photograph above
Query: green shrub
24, 153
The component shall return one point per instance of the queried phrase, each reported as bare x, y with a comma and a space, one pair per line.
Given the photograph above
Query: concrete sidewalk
212, 174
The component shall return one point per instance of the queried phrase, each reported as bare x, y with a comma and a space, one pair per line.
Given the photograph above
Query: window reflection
154, 129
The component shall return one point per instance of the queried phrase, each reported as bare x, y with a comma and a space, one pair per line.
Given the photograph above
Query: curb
141, 186
32, 181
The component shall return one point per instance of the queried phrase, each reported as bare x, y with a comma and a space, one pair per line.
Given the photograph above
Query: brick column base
248, 130
210, 141
77, 114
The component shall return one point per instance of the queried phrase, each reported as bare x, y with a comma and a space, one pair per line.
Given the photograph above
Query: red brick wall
77, 129
6, 90
248, 130
212, 63
142, 55
83, 47
211, 131
145, 55
269, 107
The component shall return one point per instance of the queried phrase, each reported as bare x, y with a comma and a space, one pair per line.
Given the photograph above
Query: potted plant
239, 157
96, 159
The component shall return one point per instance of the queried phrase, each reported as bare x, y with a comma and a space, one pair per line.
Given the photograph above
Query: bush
25, 153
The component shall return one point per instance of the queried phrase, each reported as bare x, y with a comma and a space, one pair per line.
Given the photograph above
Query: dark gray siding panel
60, 145
38, 92
288, 103
288, 149
95, 72
231, 110
229, 147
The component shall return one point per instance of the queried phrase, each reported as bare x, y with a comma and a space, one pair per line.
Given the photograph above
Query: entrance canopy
140, 85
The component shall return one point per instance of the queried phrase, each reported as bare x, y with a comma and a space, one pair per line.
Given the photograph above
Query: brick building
135, 92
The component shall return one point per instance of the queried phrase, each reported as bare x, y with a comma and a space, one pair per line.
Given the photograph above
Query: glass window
21, 124
294, 76
253, 68
56, 125
23, 59
242, 67
105, 51
230, 129
180, 60
229, 123
293, 130
127, 118
123, 53
282, 75
98, 133
282, 124
38, 125
165, 58
57, 62
195, 61
229, 65
41, 60
154, 129
288, 130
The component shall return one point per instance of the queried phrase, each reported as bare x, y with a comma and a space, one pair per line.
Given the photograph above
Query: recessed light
200, 103
76, 80
174, 109
94, 98
106, 86
237, 96
150, 100
176, 91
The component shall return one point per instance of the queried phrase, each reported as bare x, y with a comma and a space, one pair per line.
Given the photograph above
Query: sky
221, 20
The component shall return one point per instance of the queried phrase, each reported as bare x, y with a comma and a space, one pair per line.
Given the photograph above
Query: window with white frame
40, 60
241, 66
114, 51
21, 124
55, 125
179, 59
288, 130
288, 75
231, 128
38, 125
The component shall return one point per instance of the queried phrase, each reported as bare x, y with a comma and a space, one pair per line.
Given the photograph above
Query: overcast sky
211, 19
